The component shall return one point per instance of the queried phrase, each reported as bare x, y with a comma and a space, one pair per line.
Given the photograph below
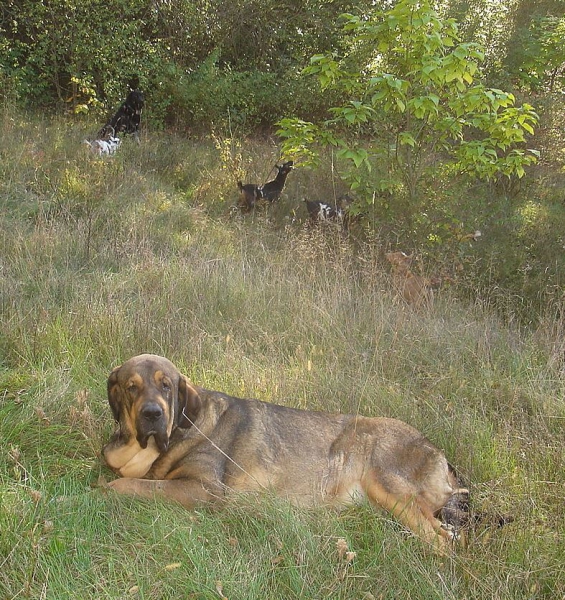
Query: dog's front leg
189, 493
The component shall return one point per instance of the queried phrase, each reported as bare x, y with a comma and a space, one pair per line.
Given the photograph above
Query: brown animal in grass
250, 196
414, 289
197, 446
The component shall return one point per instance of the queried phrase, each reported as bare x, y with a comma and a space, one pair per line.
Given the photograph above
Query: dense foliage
415, 92
202, 63
207, 63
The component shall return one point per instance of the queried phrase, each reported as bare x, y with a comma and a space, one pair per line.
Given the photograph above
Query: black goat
271, 190
252, 194
128, 117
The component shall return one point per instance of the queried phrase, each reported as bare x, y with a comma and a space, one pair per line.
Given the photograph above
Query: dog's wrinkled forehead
147, 368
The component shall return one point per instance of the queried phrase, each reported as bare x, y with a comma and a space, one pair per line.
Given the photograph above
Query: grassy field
104, 259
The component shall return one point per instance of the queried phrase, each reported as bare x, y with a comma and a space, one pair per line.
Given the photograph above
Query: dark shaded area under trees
204, 63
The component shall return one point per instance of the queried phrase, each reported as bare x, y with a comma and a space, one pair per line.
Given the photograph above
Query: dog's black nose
152, 412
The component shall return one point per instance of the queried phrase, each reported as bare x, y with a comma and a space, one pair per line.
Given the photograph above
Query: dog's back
347, 454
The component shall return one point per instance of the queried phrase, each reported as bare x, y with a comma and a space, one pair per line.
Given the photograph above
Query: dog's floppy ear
189, 403
114, 393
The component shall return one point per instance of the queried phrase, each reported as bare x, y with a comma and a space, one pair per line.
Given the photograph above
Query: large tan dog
197, 446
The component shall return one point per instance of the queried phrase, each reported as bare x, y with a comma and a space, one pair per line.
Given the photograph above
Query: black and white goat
251, 194
127, 118
322, 211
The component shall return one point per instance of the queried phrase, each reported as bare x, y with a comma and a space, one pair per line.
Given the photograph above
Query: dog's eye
132, 388
166, 386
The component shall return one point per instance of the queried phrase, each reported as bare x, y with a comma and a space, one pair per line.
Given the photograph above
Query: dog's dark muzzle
152, 421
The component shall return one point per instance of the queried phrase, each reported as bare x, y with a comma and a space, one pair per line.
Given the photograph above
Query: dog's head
150, 397
135, 100
400, 261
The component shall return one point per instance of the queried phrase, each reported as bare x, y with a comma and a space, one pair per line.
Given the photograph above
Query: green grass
101, 260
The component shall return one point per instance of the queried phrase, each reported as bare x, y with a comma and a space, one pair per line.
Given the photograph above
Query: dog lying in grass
197, 447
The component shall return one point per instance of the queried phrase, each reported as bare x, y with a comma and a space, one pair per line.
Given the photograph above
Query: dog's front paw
121, 485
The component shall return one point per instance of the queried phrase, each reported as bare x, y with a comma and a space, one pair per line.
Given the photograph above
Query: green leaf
468, 77
406, 138
407, 64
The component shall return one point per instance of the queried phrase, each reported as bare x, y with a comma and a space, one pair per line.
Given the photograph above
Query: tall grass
101, 260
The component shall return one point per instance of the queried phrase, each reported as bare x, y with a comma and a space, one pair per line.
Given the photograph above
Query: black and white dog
105, 147
127, 119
